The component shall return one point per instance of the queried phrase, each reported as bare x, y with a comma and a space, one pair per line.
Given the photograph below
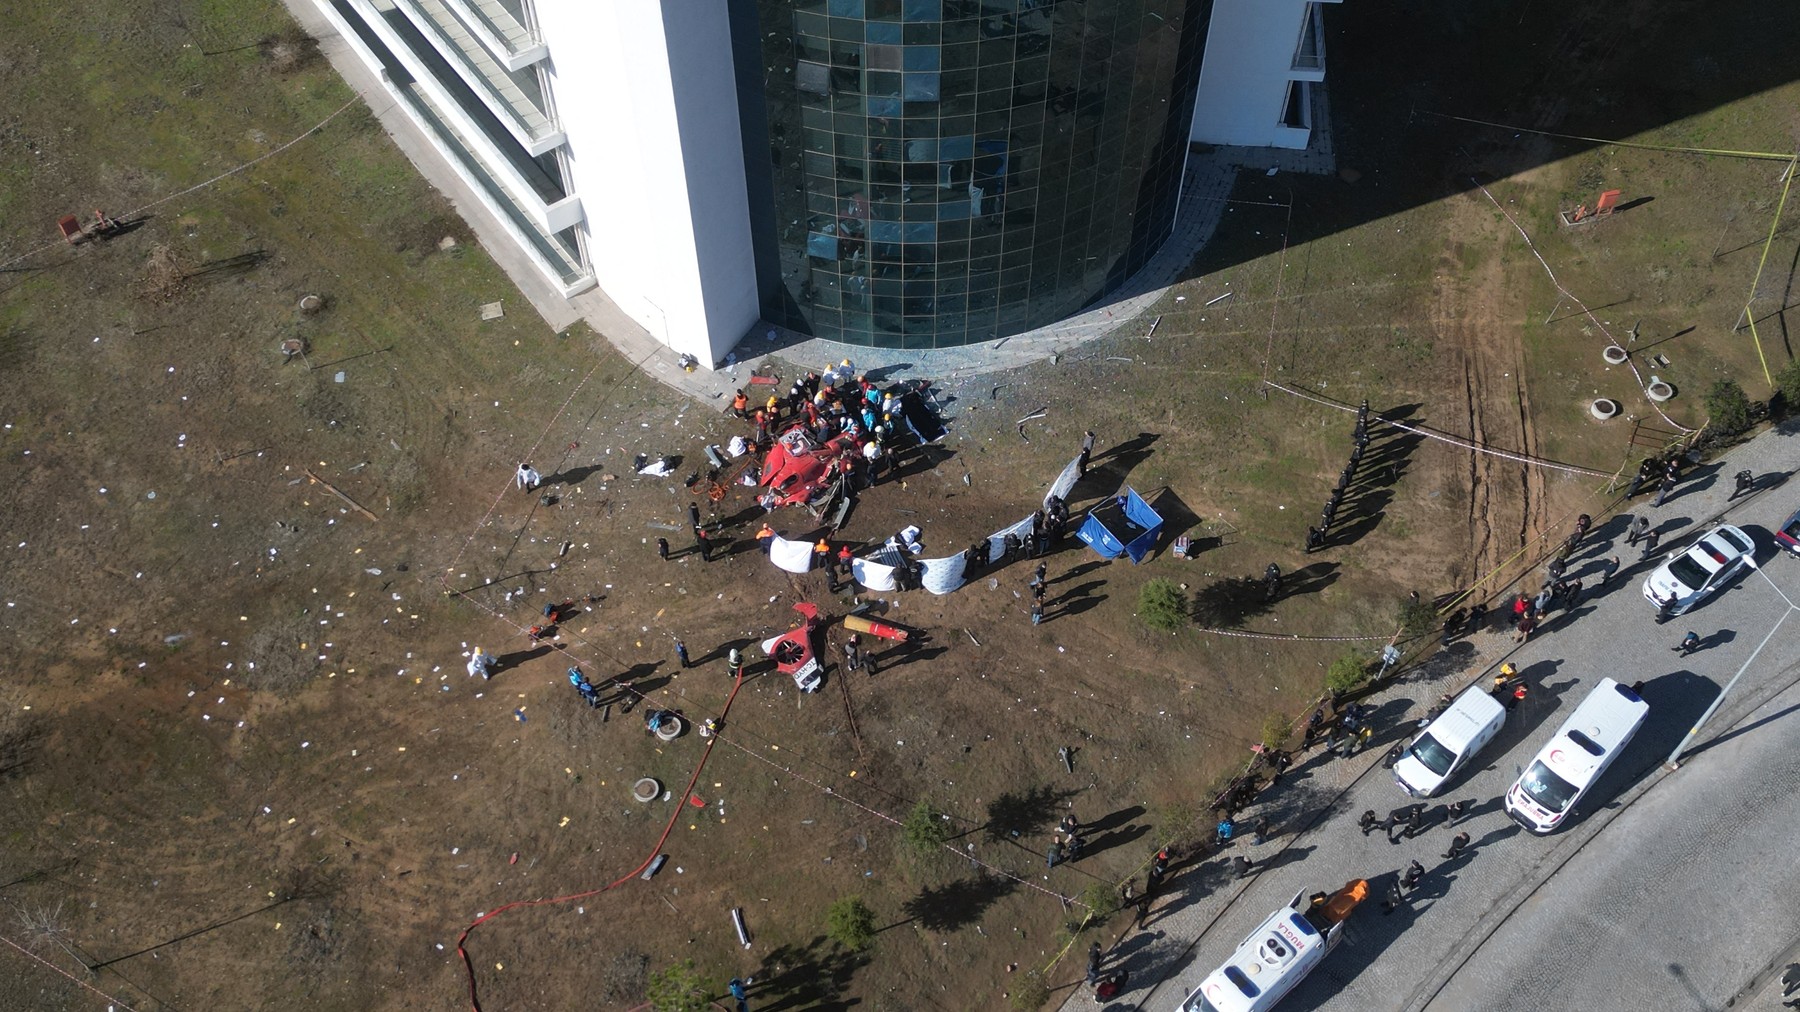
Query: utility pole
1674, 760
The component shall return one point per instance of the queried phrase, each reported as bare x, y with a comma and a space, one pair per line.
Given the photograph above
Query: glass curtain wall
946, 172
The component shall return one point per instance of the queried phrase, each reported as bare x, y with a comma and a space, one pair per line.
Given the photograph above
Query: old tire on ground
1615, 355
1658, 390
646, 790
1603, 408
670, 729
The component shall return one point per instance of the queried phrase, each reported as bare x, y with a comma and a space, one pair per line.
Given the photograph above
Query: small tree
925, 829
1417, 617
1727, 409
678, 988
1163, 605
1276, 730
850, 923
1347, 672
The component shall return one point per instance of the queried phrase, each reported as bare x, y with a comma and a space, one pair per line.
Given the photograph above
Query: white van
1582, 748
1278, 954
1449, 742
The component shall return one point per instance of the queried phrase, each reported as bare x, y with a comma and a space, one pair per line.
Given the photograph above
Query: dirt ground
244, 765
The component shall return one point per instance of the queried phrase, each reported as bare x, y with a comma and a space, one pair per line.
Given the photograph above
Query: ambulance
1278, 954
1580, 751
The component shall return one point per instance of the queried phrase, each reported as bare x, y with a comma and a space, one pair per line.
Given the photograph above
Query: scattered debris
493, 311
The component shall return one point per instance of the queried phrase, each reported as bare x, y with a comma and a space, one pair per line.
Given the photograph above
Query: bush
1788, 382
678, 988
1175, 818
1727, 409
1163, 605
1417, 618
623, 977
925, 829
1031, 992
850, 923
1347, 672
1102, 898
1276, 730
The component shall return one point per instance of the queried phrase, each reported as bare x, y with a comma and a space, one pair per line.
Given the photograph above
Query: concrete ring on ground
310, 304
670, 729
1603, 408
646, 790
1615, 355
1658, 390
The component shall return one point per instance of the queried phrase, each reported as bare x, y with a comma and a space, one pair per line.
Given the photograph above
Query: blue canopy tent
1124, 525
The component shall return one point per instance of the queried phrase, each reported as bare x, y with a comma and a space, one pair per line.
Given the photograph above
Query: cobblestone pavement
1630, 905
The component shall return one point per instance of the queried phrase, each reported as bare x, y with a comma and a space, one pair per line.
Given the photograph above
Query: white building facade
711, 164
1263, 60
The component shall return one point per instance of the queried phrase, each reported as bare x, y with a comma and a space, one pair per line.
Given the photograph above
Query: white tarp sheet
1065, 482
941, 576
997, 540
793, 556
873, 575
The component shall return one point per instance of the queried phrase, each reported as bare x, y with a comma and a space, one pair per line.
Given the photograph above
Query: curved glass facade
944, 172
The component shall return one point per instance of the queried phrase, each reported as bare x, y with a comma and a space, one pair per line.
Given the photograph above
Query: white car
1691, 575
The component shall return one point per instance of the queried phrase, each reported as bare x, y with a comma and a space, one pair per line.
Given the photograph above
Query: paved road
1636, 903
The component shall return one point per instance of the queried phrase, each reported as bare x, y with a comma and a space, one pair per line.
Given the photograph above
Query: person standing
704, 543
1396, 819
852, 654
1458, 844
662, 549
766, 538
1477, 617
1093, 963
1272, 581
1243, 865
693, 514
1663, 489
1087, 450
1650, 541
1260, 832
483, 664
1607, 571
681, 653
738, 993
1665, 609
1368, 821
1636, 530
740, 404
527, 477
1037, 611
1395, 898
1746, 482
1527, 624
1415, 872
